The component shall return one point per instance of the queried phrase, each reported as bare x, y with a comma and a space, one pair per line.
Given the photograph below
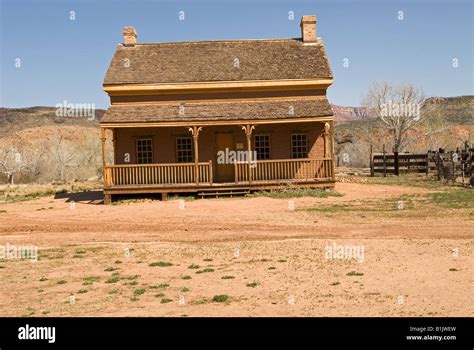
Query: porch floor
220, 186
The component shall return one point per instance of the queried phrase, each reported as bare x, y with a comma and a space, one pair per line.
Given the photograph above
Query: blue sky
63, 59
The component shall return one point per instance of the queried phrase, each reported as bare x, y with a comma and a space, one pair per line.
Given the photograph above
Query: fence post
371, 162
384, 162
395, 162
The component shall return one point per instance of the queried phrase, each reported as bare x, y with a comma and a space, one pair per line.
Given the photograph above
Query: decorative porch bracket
195, 130
248, 133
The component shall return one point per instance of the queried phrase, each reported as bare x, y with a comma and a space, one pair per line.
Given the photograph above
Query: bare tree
64, 154
11, 162
17, 155
398, 107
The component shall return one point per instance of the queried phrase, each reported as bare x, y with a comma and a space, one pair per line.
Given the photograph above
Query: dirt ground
240, 256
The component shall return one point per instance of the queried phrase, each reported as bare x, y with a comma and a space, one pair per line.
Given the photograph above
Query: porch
259, 172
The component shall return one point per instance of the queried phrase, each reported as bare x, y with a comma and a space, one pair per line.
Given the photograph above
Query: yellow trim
222, 100
222, 86
215, 122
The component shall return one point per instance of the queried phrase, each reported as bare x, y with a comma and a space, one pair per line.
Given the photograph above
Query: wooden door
224, 172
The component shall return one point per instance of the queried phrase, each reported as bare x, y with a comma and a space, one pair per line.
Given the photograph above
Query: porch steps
214, 192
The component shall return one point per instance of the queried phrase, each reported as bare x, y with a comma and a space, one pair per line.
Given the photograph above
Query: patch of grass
193, 266
220, 298
455, 198
335, 283
110, 269
131, 278
80, 251
252, 285
205, 270
114, 291
198, 302
160, 295
89, 280
272, 268
45, 312
227, 277
132, 283
134, 299
297, 193
139, 292
333, 208
186, 277
61, 282
82, 291
184, 290
281, 260
160, 286
42, 279
165, 301
118, 261
114, 279
207, 259
453, 269
161, 264
354, 273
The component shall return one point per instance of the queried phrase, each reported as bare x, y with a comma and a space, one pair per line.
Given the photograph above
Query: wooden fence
445, 165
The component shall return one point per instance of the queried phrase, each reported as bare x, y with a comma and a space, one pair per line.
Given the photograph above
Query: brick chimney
129, 36
308, 28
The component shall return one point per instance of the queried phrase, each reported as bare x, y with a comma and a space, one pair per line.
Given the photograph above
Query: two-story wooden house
218, 116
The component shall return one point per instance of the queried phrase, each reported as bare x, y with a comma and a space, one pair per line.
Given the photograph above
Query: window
299, 146
262, 146
184, 149
144, 151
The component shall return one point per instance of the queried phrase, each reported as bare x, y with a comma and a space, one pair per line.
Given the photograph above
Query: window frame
150, 151
296, 150
269, 153
178, 151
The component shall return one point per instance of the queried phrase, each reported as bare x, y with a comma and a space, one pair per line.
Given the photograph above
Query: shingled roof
192, 111
208, 61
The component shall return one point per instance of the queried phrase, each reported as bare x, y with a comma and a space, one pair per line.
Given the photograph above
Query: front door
224, 143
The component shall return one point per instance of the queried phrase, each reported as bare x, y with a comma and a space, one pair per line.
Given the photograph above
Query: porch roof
287, 109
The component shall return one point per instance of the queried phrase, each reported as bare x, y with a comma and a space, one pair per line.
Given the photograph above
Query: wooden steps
216, 192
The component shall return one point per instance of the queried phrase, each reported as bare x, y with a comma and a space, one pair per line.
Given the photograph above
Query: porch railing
284, 169
158, 174
263, 171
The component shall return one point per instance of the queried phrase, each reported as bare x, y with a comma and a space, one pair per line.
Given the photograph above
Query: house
214, 117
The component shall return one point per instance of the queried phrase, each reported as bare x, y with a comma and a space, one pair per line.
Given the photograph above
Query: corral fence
447, 165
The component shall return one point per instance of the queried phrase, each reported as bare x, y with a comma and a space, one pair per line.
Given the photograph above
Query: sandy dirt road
266, 259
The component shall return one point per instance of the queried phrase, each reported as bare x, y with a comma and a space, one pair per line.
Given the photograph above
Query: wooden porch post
103, 139
114, 143
195, 130
326, 139
248, 133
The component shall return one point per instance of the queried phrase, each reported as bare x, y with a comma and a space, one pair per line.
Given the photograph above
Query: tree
64, 154
398, 107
